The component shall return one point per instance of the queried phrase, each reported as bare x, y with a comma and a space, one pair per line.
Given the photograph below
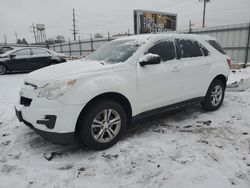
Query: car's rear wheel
3, 70
215, 96
102, 126
54, 62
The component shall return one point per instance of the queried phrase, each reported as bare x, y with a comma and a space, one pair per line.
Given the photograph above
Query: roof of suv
145, 37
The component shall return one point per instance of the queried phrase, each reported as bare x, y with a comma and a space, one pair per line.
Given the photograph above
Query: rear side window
189, 48
204, 50
216, 45
165, 49
37, 51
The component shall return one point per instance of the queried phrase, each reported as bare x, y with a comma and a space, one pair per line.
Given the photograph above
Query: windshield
115, 51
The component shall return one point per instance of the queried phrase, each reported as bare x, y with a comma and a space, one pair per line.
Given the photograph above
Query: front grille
25, 101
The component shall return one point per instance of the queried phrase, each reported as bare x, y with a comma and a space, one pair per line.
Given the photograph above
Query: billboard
153, 22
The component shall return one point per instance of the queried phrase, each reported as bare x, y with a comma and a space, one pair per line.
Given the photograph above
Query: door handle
176, 69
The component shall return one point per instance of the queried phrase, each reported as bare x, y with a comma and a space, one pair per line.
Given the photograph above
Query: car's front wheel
102, 126
3, 70
215, 96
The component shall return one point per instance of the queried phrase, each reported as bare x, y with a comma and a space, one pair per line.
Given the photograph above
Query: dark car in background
28, 59
5, 49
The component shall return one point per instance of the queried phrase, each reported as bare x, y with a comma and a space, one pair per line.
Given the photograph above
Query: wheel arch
4, 64
222, 78
54, 61
117, 97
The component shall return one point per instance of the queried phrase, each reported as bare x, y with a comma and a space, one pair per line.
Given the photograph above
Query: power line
61, 20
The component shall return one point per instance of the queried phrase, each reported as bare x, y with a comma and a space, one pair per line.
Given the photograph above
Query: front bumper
51, 119
57, 138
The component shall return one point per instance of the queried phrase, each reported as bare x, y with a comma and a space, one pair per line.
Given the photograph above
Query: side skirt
166, 108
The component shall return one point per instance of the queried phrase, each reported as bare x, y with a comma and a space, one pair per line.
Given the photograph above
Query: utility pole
5, 40
16, 36
74, 25
247, 45
33, 30
204, 10
190, 27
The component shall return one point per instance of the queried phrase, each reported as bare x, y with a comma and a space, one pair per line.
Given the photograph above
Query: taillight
229, 61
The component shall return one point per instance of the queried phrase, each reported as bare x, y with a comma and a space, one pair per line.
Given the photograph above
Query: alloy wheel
106, 125
216, 95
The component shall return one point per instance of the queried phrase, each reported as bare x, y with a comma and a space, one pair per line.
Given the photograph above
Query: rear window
216, 45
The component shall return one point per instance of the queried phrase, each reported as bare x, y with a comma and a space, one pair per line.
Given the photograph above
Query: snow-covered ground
186, 148
239, 80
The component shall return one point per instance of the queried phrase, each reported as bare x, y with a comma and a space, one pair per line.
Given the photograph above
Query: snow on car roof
20, 48
140, 38
146, 37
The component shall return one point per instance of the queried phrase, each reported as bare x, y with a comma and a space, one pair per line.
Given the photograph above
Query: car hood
74, 69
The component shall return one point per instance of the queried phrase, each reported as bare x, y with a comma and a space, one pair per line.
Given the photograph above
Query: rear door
195, 68
40, 58
21, 60
159, 85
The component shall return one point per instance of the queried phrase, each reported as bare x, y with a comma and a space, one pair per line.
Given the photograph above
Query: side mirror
150, 59
12, 56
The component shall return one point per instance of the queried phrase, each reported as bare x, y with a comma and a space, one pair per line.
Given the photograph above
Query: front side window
24, 52
189, 48
165, 49
115, 51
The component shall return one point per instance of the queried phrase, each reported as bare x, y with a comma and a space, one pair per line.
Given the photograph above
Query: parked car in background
5, 49
125, 80
28, 59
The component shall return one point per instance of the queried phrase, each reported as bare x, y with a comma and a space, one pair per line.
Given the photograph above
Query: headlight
56, 89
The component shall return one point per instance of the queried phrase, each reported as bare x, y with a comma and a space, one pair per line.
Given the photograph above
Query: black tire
3, 70
212, 102
86, 123
54, 62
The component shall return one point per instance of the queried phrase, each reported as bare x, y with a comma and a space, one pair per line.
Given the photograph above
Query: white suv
95, 98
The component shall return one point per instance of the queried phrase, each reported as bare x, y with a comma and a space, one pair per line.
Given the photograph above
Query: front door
20, 60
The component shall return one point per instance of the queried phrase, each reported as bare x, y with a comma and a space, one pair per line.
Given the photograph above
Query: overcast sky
102, 16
